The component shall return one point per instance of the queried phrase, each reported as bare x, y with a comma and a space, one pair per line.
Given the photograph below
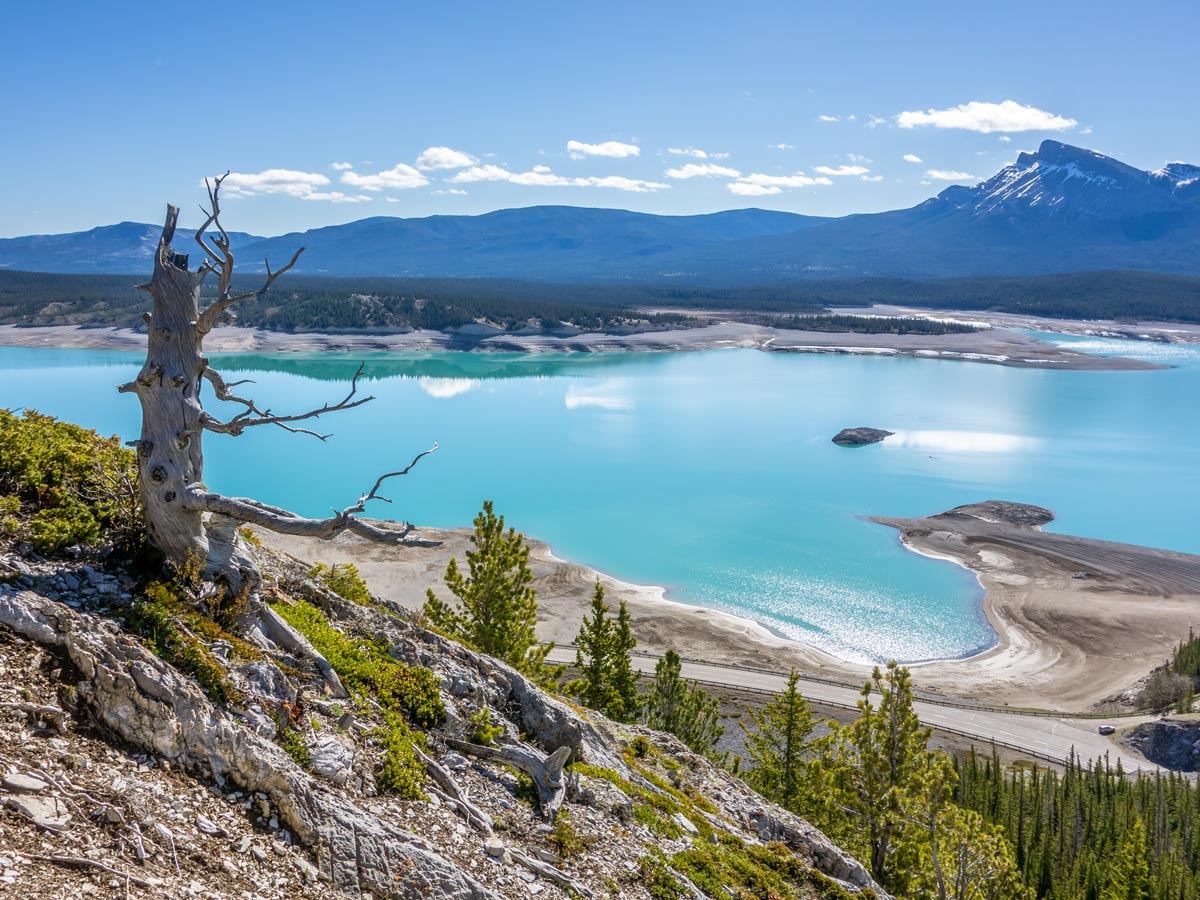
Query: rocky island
860, 437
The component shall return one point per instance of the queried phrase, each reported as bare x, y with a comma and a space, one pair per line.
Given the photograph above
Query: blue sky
110, 110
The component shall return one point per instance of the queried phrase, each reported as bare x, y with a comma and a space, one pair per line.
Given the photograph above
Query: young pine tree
497, 606
624, 678
682, 709
882, 767
595, 658
781, 746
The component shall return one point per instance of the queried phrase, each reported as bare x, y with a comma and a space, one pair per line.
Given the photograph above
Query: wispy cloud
781, 146
614, 149
872, 178
986, 118
444, 158
912, 158
337, 197
273, 181
401, 176
695, 153
1004, 138
702, 170
949, 175
341, 167
828, 118
542, 176
843, 170
760, 185
458, 192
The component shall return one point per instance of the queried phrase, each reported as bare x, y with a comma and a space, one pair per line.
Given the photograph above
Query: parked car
1107, 729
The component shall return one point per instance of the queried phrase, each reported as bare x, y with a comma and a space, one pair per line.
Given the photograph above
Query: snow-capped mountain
1080, 184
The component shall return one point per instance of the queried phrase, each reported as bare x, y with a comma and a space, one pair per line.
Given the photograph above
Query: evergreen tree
880, 768
497, 605
781, 744
682, 709
624, 678
595, 658
1129, 872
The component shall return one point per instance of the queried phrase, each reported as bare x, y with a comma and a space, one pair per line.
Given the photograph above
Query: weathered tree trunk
170, 450
183, 518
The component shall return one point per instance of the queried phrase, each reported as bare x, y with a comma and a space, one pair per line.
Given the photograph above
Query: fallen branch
546, 771
37, 711
79, 862
454, 796
551, 873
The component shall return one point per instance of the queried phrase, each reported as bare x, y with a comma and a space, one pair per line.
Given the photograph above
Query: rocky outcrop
1171, 743
860, 437
146, 702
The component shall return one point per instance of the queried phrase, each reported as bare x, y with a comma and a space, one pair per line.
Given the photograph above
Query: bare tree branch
253, 512
220, 261
254, 416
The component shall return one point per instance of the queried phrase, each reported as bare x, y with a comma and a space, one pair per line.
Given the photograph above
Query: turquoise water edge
712, 473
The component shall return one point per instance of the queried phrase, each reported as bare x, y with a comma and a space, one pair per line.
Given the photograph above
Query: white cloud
843, 170
872, 178
402, 176
1004, 138
614, 149
542, 176
781, 146
341, 167
337, 197
1086, 130
635, 185
753, 190
444, 158
272, 181
487, 172
857, 158
760, 185
702, 170
456, 191
827, 118
948, 175
986, 118
696, 153
875, 121
912, 158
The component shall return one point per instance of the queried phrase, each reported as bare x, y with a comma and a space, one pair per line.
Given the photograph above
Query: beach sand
1064, 642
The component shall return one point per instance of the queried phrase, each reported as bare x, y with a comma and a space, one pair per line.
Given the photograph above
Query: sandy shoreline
995, 346
1063, 642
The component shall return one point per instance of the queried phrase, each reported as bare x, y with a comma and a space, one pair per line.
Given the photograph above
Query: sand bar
1064, 642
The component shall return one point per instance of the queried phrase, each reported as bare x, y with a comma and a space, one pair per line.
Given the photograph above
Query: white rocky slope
122, 778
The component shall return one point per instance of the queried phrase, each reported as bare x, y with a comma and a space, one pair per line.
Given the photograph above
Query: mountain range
1061, 209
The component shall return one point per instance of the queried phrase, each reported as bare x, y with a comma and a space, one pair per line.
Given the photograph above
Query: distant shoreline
996, 346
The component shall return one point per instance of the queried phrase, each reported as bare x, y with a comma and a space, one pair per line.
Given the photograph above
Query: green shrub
566, 838
74, 485
343, 579
483, 731
365, 667
660, 883
659, 825
154, 618
402, 772
292, 741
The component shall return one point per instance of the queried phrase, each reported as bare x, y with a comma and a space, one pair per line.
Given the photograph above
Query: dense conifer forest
314, 303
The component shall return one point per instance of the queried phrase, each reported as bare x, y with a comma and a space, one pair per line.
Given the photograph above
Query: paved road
1040, 736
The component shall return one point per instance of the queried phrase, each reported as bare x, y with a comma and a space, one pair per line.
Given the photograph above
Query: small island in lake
860, 437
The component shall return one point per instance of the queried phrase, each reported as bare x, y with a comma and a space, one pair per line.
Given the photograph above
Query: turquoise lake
712, 473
